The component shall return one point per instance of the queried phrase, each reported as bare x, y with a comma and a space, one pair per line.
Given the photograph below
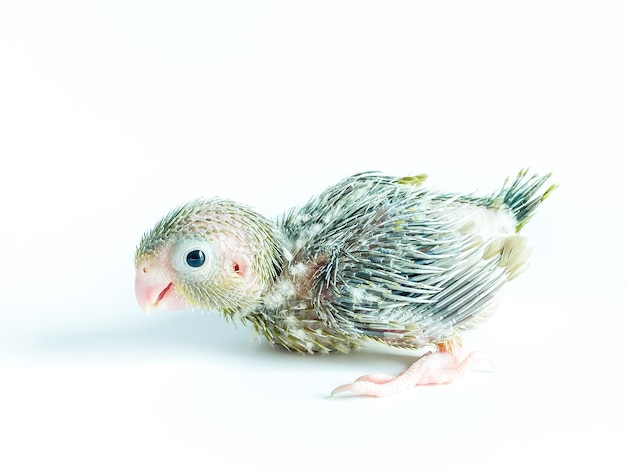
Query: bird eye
195, 258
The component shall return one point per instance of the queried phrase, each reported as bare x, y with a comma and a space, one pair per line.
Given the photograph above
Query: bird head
211, 254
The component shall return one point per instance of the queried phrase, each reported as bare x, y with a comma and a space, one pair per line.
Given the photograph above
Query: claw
341, 389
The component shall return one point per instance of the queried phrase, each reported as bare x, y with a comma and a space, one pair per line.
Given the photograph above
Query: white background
113, 112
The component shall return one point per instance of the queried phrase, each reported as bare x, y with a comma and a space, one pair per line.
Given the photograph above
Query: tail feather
522, 196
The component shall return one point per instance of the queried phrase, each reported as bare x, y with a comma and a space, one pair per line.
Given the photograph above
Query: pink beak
155, 290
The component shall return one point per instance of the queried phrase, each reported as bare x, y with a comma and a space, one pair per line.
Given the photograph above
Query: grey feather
393, 262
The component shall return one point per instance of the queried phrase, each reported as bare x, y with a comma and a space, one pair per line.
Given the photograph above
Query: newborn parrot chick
373, 257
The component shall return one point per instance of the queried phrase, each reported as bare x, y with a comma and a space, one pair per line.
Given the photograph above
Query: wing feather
401, 263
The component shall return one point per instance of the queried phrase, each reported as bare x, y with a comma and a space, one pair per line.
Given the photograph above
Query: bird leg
432, 368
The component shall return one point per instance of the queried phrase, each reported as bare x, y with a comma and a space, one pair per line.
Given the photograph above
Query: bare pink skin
155, 289
432, 368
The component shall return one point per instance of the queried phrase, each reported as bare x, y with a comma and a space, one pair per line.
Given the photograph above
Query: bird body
373, 257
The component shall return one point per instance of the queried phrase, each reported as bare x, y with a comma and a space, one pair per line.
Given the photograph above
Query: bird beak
156, 291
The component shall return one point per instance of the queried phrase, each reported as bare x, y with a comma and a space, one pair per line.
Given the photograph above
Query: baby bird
373, 257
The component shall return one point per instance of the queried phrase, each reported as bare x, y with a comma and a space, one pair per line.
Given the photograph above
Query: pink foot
432, 368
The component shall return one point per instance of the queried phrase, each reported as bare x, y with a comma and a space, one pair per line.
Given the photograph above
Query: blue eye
195, 258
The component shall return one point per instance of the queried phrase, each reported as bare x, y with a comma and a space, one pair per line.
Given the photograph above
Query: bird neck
257, 249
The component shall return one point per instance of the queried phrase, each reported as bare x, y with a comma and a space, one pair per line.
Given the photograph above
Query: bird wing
403, 264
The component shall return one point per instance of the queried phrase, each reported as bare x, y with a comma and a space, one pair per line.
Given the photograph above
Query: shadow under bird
373, 257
